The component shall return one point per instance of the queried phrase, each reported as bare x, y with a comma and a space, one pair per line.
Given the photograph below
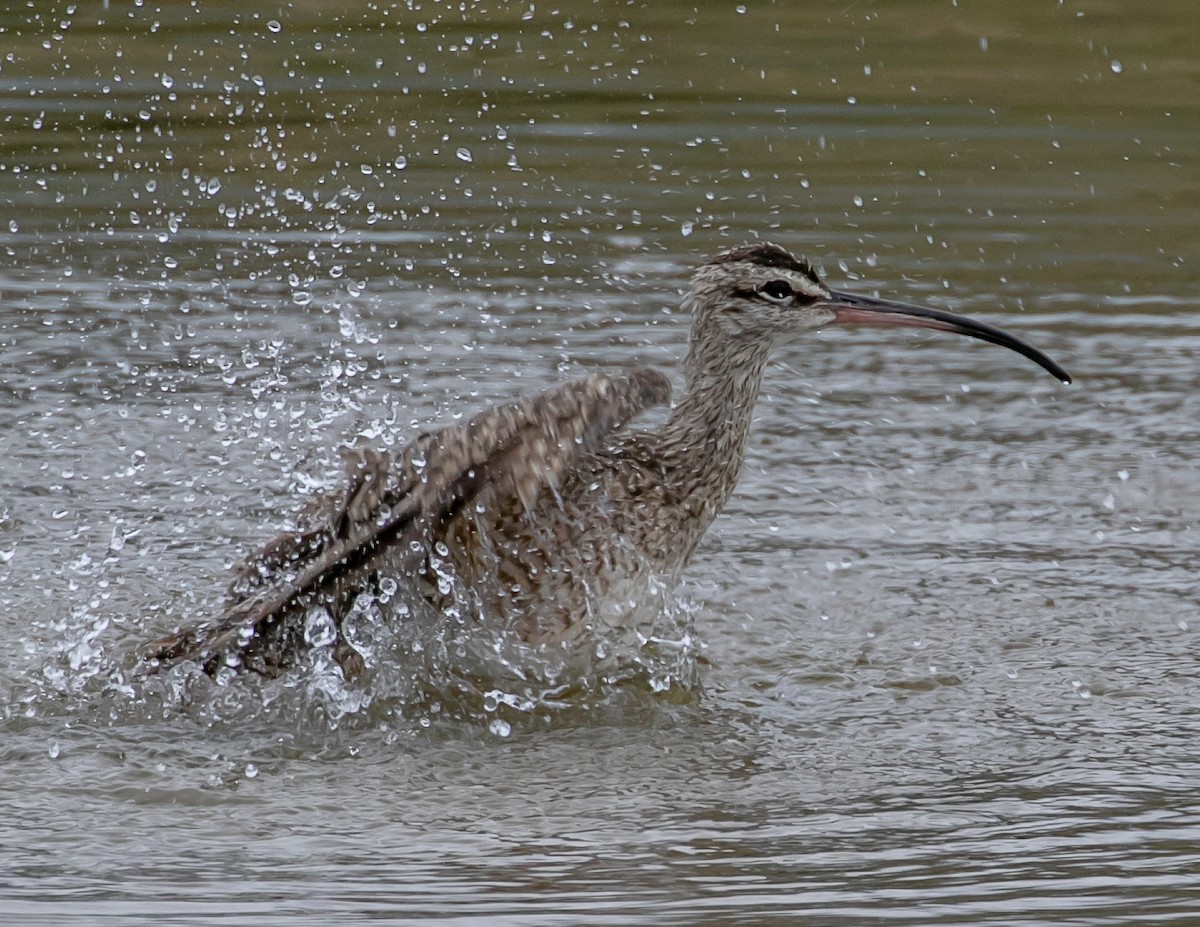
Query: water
946, 661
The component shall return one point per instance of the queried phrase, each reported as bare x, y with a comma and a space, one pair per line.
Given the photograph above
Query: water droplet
500, 727
400, 163
274, 25
167, 81
464, 154
251, 770
319, 630
1116, 66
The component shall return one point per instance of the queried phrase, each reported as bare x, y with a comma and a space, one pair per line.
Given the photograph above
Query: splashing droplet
500, 727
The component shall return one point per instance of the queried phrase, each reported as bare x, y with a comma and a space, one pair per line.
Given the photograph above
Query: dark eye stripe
802, 299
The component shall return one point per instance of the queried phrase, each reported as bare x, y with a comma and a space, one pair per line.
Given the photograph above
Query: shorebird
544, 507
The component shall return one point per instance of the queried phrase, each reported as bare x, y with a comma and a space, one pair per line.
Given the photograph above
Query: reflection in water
947, 623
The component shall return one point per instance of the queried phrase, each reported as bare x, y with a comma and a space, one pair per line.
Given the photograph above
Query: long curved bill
865, 310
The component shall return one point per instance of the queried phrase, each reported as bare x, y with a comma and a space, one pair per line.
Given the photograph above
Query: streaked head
762, 292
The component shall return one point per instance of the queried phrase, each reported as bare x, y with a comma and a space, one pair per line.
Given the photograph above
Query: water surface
944, 667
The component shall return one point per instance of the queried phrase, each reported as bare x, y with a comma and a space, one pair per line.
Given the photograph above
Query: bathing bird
547, 508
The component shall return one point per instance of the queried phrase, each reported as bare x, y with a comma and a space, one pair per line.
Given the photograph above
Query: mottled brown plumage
547, 508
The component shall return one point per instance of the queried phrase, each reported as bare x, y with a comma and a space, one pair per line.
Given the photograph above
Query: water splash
423, 666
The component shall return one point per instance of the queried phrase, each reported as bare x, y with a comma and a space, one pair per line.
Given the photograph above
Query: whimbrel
542, 507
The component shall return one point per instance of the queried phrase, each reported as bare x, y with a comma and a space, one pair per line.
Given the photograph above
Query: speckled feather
565, 506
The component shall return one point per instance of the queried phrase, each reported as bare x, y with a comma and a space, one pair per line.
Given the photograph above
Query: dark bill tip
865, 310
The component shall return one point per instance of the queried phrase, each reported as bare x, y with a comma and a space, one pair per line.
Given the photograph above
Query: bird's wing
510, 452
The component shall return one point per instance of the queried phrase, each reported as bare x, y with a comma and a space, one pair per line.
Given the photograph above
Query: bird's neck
705, 437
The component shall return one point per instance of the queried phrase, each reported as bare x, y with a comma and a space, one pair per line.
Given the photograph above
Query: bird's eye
776, 290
